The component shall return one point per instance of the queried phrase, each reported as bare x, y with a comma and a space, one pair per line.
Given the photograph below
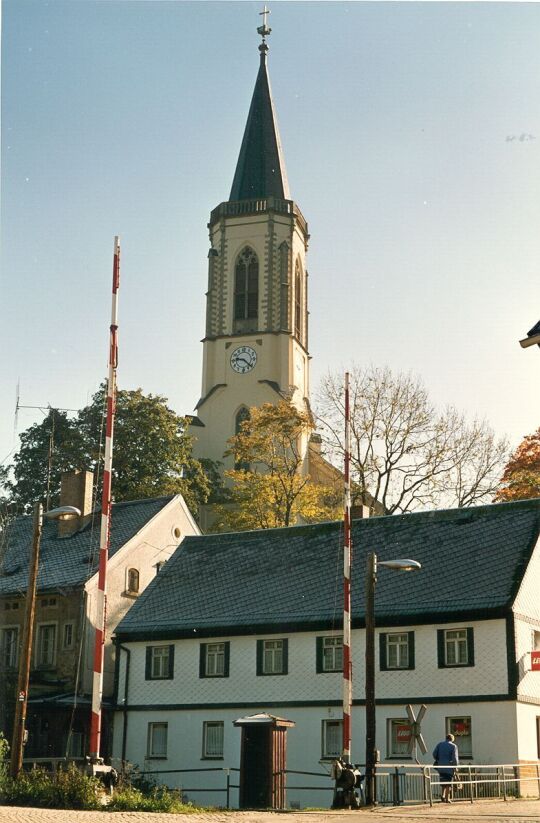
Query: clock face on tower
243, 359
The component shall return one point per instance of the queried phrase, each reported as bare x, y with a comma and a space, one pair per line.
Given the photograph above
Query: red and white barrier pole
347, 556
101, 610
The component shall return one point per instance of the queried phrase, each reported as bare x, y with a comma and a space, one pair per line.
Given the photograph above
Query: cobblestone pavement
514, 811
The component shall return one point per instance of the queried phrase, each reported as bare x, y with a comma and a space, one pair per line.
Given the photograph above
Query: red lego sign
403, 734
535, 661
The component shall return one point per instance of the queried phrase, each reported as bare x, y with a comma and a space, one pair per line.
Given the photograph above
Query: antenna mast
347, 555
99, 643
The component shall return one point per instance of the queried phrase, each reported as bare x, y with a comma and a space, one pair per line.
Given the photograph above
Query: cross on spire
265, 29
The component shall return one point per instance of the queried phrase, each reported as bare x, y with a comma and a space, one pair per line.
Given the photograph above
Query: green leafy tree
521, 477
269, 488
152, 452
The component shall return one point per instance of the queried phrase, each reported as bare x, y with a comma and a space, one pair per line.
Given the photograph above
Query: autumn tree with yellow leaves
270, 486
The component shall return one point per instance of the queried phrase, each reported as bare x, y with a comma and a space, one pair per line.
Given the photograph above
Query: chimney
75, 490
359, 512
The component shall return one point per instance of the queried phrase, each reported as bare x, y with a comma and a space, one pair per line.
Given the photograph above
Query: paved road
514, 811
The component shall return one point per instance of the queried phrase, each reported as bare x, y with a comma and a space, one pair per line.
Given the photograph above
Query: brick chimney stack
75, 490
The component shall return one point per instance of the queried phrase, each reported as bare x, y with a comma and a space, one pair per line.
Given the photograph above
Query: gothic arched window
241, 415
246, 288
298, 301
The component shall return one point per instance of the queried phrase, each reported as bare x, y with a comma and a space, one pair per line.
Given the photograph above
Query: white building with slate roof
144, 534
250, 623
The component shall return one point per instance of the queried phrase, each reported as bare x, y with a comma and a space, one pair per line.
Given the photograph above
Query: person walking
446, 758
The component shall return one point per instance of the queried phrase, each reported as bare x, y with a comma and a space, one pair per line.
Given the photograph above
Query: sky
411, 134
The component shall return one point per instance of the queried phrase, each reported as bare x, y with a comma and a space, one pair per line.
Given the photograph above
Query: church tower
255, 348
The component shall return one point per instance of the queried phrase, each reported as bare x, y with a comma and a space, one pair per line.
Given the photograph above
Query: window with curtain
157, 740
332, 738
213, 731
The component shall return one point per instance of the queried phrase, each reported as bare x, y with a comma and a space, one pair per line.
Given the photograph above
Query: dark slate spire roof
260, 171
473, 561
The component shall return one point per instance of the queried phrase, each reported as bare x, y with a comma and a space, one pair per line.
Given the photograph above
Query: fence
403, 783
395, 785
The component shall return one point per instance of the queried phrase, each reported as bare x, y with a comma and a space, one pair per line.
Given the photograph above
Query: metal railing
184, 790
397, 784
405, 783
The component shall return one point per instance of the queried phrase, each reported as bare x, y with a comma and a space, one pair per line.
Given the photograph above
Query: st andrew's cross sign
416, 731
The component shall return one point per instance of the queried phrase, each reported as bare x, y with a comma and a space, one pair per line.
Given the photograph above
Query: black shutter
148, 666
383, 662
285, 657
411, 650
170, 673
260, 656
470, 646
227, 657
319, 655
441, 659
202, 660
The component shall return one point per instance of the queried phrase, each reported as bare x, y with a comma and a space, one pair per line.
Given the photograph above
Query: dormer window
246, 291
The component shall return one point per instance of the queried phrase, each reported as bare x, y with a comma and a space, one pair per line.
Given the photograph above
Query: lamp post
533, 337
371, 579
62, 513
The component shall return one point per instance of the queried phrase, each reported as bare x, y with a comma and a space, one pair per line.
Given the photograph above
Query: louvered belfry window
298, 302
246, 286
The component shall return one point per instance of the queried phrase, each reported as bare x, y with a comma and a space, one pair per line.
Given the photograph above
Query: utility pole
347, 562
371, 757
26, 648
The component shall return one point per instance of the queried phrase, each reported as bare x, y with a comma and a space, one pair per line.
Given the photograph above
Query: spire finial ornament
264, 31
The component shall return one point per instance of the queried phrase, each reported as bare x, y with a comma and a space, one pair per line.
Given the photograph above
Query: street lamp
533, 337
61, 513
371, 579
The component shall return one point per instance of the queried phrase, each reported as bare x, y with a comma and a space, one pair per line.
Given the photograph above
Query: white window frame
212, 750
457, 644
450, 729
333, 749
397, 643
392, 743
334, 647
151, 752
14, 647
158, 669
214, 660
38, 657
272, 657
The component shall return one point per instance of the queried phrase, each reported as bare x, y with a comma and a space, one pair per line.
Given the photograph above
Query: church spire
260, 171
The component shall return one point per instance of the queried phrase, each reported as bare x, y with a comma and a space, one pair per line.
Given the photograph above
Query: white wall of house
527, 634
527, 601
528, 715
302, 683
187, 701
155, 543
493, 742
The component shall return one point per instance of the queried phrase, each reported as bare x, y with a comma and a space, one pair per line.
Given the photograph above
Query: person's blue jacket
445, 753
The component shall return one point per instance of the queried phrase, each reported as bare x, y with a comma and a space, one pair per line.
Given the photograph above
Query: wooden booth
263, 760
